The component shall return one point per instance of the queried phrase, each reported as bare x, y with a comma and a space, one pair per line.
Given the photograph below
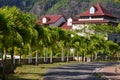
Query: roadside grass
34, 72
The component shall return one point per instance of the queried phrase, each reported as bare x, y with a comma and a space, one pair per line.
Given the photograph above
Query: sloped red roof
65, 26
91, 21
51, 19
100, 11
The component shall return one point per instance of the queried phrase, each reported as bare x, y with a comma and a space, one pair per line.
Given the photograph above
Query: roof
100, 11
65, 26
91, 21
51, 19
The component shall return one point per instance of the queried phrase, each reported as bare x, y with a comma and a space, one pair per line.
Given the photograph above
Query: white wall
69, 22
91, 19
44, 20
83, 29
78, 26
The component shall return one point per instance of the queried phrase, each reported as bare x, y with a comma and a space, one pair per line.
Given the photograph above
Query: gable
49, 19
98, 10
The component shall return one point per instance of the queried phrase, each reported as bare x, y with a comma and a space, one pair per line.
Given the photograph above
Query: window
92, 10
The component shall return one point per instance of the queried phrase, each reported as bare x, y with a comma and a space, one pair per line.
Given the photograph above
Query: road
82, 71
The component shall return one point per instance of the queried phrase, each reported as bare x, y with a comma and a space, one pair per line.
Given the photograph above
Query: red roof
91, 21
100, 11
51, 19
65, 26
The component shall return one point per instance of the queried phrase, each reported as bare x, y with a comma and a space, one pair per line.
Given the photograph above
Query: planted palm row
19, 34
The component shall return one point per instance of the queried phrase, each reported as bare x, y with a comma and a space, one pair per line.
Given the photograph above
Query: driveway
80, 71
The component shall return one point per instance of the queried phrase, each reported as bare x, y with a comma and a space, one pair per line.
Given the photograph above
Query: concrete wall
25, 62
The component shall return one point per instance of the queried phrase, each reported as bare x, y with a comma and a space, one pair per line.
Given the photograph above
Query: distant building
68, 25
96, 14
51, 20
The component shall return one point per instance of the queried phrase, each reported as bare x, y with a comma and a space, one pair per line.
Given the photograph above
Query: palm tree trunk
20, 58
4, 65
12, 61
91, 56
62, 57
68, 52
96, 56
73, 55
29, 56
36, 57
83, 57
77, 55
44, 54
51, 56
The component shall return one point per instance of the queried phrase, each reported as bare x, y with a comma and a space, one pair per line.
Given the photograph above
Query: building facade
96, 15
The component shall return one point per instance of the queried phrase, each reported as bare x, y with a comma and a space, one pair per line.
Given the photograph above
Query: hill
65, 7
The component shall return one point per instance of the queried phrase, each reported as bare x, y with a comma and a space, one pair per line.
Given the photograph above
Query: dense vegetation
65, 7
20, 35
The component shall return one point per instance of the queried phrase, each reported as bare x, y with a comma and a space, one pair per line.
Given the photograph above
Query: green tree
18, 27
54, 41
117, 0
3, 45
62, 38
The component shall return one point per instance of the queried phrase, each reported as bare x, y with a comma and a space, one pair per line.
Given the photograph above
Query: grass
33, 72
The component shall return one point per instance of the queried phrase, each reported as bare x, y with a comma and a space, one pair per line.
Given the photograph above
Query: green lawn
33, 72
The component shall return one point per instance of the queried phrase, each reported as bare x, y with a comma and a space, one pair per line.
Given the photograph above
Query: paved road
82, 71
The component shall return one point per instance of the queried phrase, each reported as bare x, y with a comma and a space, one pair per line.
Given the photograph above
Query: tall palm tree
3, 30
26, 30
46, 41
37, 41
79, 44
62, 38
111, 48
53, 41
68, 42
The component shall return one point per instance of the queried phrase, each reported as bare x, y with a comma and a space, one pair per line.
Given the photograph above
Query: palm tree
61, 45
34, 44
111, 48
27, 31
68, 42
3, 30
62, 38
76, 43
53, 41
46, 41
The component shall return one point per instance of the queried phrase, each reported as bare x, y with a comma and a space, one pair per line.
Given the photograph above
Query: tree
37, 41
26, 30
68, 42
111, 48
18, 27
62, 38
76, 41
117, 0
54, 40
3, 45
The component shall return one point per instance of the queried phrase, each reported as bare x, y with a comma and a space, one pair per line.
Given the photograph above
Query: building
68, 25
96, 14
51, 20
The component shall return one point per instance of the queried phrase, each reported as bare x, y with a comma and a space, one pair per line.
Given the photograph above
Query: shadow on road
76, 72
